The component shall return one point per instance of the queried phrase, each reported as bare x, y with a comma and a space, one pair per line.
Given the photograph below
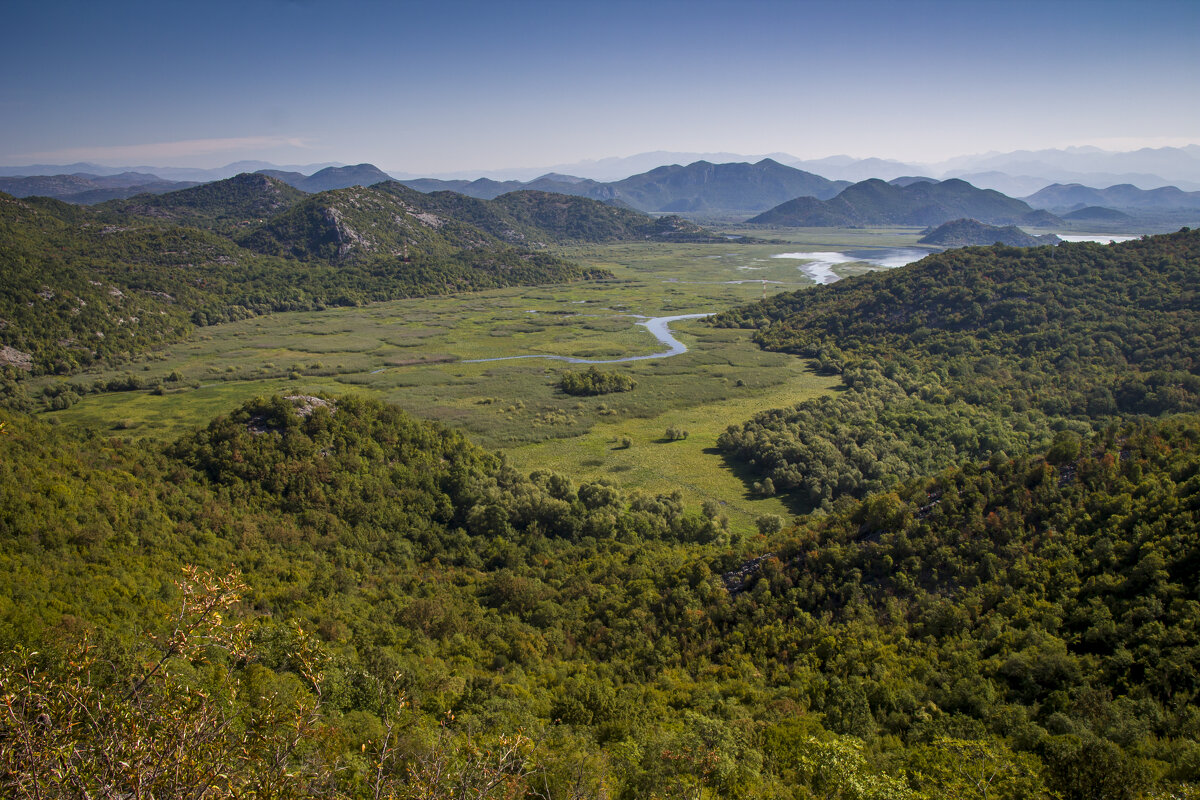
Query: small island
968, 232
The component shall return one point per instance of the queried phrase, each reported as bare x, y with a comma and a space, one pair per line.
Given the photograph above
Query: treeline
414, 608
593, 382
972, 352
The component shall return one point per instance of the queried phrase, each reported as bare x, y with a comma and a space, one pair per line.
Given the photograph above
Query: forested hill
538, 218
422, 617
357, 223
1047, 602
974, 351
967, 232
240, 205
227, 205
83, 285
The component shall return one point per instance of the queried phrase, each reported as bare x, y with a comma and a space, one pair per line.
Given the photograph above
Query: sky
442, 86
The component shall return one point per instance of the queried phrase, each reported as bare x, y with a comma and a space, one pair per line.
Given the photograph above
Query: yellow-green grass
693, 466
144, 415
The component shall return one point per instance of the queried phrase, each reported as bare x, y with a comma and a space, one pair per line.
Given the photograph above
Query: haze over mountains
698, 187
86, 188
777, 193
1146, 168
1016, 173
922, 202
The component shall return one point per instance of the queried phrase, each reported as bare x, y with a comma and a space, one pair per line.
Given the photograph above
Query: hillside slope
1019, 611
972, 352
85, 285
226, 205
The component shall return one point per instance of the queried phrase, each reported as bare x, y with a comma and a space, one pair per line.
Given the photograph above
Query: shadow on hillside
743, 472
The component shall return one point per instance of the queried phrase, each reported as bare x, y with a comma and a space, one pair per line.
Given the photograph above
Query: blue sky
445, 86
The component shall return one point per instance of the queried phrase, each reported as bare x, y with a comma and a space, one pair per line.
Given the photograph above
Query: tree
769, 523
594, 382
175, 731
983, 769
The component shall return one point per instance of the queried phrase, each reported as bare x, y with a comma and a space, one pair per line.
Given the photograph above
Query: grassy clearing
143, 415
692, 465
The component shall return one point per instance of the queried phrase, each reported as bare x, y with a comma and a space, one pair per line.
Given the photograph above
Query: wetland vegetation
413, 353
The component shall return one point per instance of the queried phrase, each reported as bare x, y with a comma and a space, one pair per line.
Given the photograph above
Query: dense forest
973, 352
330, 597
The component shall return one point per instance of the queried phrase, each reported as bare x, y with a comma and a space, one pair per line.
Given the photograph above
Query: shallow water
658, 326
819, 264
1102, 238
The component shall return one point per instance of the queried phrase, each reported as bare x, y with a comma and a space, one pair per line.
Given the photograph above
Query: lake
819, 264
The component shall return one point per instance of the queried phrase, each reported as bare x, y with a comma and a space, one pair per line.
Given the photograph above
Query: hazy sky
437, 86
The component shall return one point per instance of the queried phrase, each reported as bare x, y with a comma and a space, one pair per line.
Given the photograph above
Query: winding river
658, 326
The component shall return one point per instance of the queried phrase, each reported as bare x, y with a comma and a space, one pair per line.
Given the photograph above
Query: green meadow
414, 353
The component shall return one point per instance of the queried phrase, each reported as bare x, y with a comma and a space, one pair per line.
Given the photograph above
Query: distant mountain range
330, 177
1147, 168
192, 174
696, 188
266, 214
1073, 196
920, 202
85, 188
1016, 173
778, 193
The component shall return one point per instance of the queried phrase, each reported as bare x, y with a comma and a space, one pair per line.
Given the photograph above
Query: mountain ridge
875, 203
670, 188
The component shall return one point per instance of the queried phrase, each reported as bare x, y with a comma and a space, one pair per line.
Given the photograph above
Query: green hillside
972, 352
321, 596
538, 218
407, 596
969, 232
227, 205
83, 286
345, 224
565, 218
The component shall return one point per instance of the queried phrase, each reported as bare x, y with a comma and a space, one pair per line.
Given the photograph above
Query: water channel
658, 326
